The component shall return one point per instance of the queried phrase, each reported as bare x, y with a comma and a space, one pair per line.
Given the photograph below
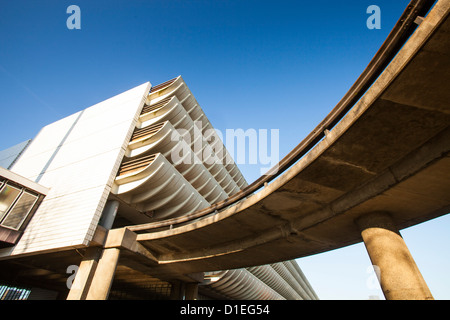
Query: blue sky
250, 64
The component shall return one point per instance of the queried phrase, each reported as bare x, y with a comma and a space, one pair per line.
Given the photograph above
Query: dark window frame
10, 234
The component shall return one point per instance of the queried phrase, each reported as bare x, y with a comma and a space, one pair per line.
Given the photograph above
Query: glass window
7, 196
20, 210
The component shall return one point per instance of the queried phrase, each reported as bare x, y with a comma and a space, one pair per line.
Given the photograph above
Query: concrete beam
127, 239
96, 271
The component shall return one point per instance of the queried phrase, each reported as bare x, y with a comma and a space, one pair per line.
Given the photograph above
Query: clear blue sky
277, 65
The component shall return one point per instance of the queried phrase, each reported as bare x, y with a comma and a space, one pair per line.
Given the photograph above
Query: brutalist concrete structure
148, 154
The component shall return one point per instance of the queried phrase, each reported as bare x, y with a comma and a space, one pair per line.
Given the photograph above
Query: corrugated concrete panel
178, 88
172, 103
243, 285
158, 187
77, 158
167, 140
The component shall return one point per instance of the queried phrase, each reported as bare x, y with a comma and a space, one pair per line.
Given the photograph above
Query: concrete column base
104, 275
191, 291
85, 273
399, 277
177, 291
184, 290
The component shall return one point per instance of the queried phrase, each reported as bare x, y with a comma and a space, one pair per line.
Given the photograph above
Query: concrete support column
184, 290
191, 291
399, 276
104, 275
85, 273
177, 291
109, 214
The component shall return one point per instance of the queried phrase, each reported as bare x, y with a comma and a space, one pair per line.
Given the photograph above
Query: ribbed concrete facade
145, 155
170, 150
176, 164
279, 281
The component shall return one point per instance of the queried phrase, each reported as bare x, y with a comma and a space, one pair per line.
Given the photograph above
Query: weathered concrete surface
389, 153
398, 274
104, 274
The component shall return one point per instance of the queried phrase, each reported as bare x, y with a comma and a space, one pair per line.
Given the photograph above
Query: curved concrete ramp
390, 153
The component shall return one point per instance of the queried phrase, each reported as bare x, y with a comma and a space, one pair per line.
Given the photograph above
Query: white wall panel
78, 157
